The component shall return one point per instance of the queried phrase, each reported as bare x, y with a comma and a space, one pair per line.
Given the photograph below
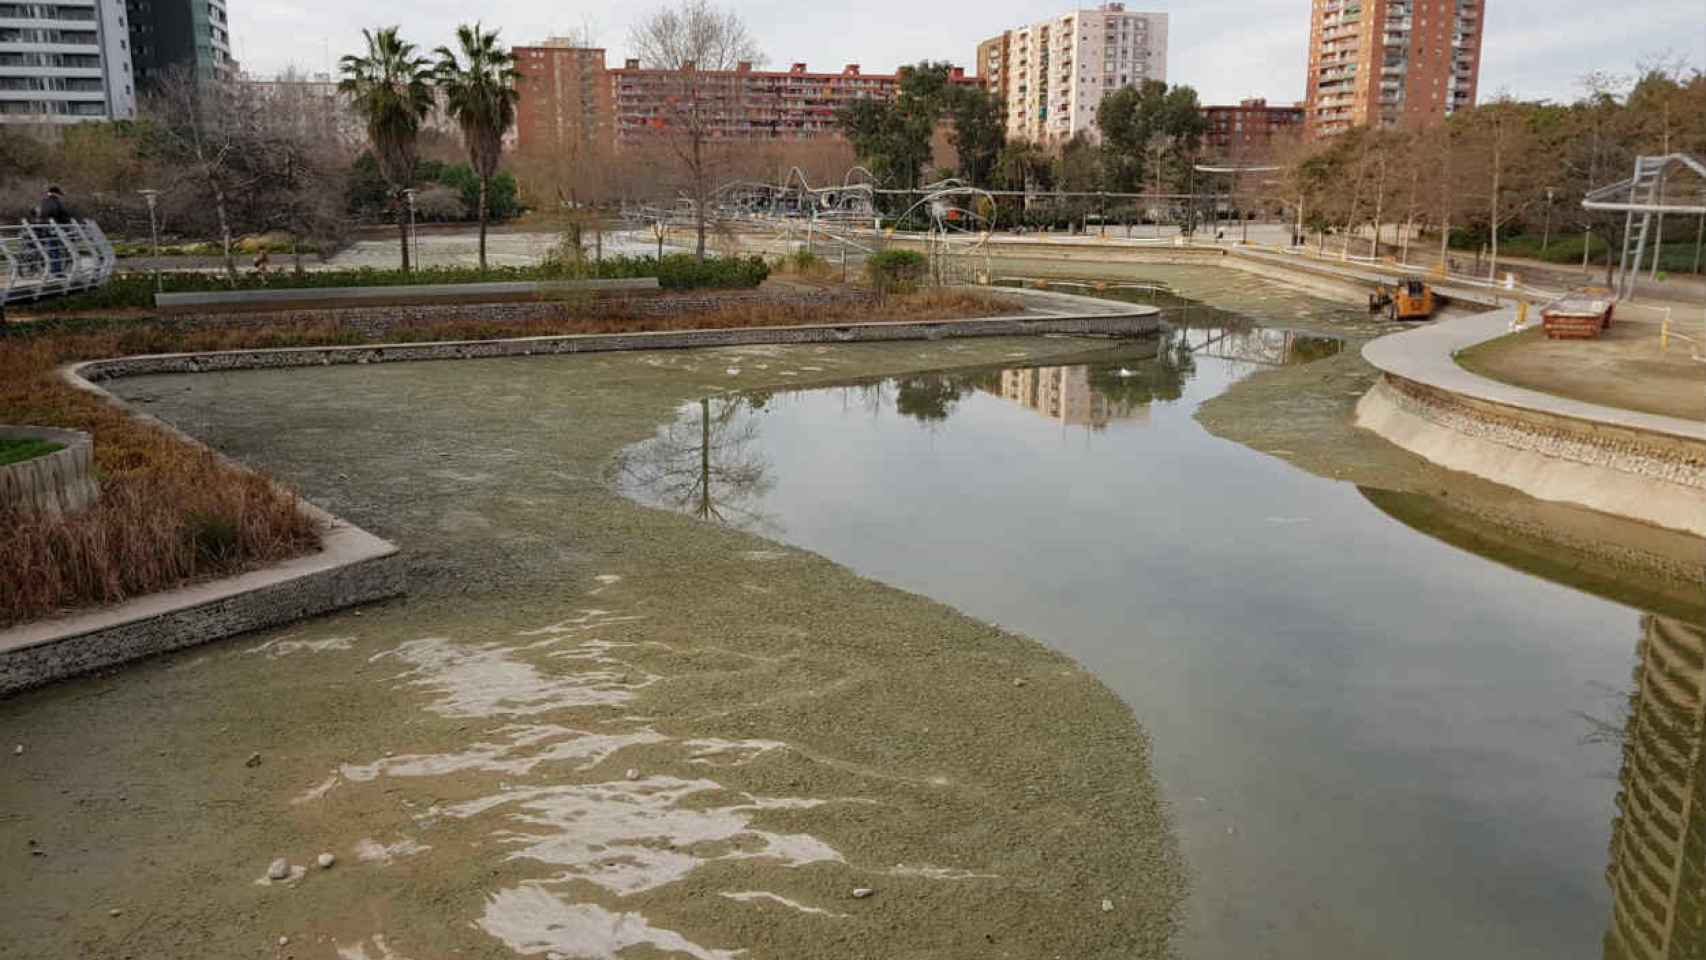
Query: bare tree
207, 131
694, 45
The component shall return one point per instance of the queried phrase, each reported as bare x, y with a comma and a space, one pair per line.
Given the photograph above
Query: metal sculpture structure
791, 214
49, 259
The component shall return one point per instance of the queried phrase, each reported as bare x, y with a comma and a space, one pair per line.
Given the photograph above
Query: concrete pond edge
1634, 465
354, 566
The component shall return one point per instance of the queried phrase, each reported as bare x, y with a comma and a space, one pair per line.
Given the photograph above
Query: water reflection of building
1658, 841
1065, 394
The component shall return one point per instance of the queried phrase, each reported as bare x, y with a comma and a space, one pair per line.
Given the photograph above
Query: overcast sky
1227, 50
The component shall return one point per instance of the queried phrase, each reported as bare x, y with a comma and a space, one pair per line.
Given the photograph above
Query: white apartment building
1051, 75
65, 61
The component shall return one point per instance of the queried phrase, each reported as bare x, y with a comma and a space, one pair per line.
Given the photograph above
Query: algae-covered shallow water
1373, 743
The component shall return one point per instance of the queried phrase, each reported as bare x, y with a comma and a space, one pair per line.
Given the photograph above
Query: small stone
253, 761
860, 893
326, 860
632, 774
114, 912
284, 941
279, 869
18, 750
1018, 681
1107, 906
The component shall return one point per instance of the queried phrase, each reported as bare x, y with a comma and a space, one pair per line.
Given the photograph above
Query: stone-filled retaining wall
376, 322
59, 482
1655, 478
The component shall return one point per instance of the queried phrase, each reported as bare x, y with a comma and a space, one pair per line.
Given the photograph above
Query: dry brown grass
171, 513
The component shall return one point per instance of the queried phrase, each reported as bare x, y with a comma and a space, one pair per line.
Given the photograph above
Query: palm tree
479, 93
390, 89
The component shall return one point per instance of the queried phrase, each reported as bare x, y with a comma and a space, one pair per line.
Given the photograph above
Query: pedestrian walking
53, 210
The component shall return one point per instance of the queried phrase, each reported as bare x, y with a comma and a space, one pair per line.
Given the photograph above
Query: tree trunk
698, 196
403, 229
1493, 212
483, 180
225, 234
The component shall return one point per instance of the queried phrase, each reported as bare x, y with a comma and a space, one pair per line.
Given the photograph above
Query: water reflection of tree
706, 463
1128, 386
931, 398
1658, 840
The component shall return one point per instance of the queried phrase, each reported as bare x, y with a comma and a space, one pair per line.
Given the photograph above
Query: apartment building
1246, 130
565, 96
1052, 75
65, 61
190, 33
1388, 63
748, 104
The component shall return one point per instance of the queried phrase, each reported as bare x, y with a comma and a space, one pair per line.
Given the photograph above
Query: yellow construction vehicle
1408, 299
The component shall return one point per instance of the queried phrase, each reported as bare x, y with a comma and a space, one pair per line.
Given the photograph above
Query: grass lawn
19, 449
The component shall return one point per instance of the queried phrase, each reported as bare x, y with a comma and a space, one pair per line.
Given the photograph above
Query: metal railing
49, 259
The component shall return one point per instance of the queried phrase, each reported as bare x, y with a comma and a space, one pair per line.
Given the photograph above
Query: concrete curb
1621, 462
354, 566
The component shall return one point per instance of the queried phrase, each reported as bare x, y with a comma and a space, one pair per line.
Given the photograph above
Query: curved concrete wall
59, 482
1620, 462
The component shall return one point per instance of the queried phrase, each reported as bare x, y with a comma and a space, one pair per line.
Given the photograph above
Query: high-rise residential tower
1387, 63
64, 62
1052, 75
565, 101
194, 34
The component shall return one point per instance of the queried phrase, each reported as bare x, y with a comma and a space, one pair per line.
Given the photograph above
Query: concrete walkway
1637, 465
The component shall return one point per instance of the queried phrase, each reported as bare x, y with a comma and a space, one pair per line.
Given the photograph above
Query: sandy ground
591, 729
1625, 367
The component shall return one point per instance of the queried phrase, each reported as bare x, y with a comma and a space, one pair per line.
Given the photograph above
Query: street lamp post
414, 238
153, 197
1546, 237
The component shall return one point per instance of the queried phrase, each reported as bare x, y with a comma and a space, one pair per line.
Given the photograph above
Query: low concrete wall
1621, 462
59, 482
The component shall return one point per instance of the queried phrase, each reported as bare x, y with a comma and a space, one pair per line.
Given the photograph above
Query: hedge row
676, 272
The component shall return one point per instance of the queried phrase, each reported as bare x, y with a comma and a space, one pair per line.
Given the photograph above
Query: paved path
1427, 355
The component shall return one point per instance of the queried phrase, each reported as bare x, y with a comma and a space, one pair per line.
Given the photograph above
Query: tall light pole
414, 239
153, 197
1546, 238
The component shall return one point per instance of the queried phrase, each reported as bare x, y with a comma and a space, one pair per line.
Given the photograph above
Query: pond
1373, 743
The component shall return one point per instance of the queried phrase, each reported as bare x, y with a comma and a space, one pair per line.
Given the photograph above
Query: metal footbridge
39, 260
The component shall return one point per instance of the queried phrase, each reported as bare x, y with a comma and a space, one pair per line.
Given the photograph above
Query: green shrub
896, 271
136, 290
682, 271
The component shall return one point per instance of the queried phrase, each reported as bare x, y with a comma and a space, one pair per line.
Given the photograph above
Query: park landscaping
173, 513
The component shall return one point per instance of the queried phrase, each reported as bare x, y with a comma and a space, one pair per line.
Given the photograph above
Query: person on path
52, 209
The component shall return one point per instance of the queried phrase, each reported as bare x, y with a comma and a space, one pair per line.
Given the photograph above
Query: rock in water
632, 774
279, 869
1107, 906
860, 893
253, 761
326, 861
